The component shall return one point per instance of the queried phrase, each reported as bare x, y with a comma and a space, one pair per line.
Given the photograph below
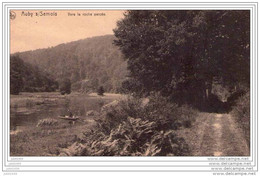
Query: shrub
76, 149
168, 115
65, 86
137, 137
130, 86
242, 113
114, 115
187, 115
100, 91
47, 122
233, 98
165, 114
134, 128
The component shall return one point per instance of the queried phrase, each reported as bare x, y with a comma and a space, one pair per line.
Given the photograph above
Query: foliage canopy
29, 78
100, 91
65, 86
183, 52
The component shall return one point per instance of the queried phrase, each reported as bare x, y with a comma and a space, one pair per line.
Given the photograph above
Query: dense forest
88, 63
182, 54
29, 78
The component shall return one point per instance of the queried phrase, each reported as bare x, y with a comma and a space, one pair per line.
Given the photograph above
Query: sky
30, 29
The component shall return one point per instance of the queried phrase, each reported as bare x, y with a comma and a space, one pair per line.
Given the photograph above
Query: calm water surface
27, 114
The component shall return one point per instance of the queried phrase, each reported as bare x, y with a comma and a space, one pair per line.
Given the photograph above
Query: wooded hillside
28, 78
88, 63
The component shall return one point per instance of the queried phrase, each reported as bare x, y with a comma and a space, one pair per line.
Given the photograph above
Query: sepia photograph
171, 83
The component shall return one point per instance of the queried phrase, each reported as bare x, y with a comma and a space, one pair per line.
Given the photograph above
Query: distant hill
88, 63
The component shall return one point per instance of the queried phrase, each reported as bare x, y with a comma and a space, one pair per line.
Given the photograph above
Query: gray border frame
54, 5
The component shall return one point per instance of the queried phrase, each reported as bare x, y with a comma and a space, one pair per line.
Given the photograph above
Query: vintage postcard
131, 83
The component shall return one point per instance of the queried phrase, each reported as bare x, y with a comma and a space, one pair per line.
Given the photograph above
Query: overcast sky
33, 32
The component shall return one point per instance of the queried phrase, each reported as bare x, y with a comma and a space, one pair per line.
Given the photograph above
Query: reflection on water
28, 116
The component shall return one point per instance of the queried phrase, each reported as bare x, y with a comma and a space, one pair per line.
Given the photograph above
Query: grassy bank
25, 99
46, 140
242, 113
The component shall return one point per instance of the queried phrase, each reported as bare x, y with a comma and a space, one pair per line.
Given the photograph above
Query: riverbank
27, 109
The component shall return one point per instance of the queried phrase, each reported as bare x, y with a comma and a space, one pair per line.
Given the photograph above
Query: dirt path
216, 135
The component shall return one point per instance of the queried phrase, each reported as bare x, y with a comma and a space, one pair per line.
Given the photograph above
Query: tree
28, 78
180, 53
75, 76
65, 86
94, 83
16, 72
101, 91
